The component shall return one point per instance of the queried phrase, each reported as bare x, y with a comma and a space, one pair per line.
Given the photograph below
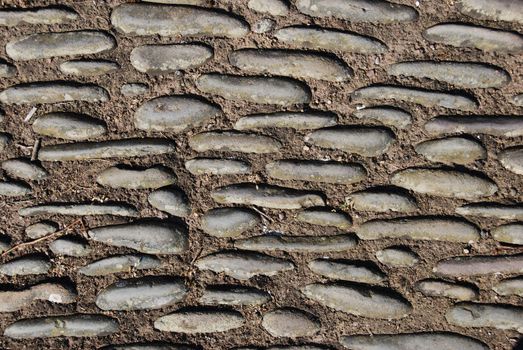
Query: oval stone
69, 126
40, 229
160, 59
325, 217
40, 15
23, 168
120, 263
293, 120
14, 189
79, 209
170, 200
492, 10
389, 116
271, 7
300, 244
437, 288
134, 89
70, 246
290, 322
234, 295
229, 222
136, 179
510, 286
507, 126
14, 300
53, 92
480, 265
397, 257
376, 200
317, 171
214, 166
509, 233
507, 317
354, 271
492, 210
32, 264
233, 141
88, 68
452, 150
512, 159
205, 321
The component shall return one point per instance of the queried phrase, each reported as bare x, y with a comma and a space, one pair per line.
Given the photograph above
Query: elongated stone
232, 141
317, 38
161, 59
271, 7
371, 11
412, 341
427, 98
359, 300
486, 315
77, 325
53, 92
480, 265
365, 141
388, 116
492, 210
5, 140
290, 322
229, 222
482, 38
510, 286
124, 148
165, 20
452, 150
509, 233
397, 257
492, 10
14, 189
243, 265
205, 321
420, 228
14, 300
170, 200
40, 229
381, 201
438, 288
512, 159
297, 347
267, 196
310, 244
325, 217
355, 271
151, 345
23, 168
134, 89
180, 2
152, 237
215, 166
507, 126
174, 113
7, 70
293, 120
69, 126
462, 74
444, 183
88, 68
45, 15
70, 246
32, 264
136, 179
234, 295
120, 263
317, 171
79, 209
255, 89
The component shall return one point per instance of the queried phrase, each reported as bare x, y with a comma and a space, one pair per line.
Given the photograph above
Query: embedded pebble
174, 113
375, 200
161, 59
271, 7
120, 263
243, 265
389, 116
444, 183
232, 141
255, 89
310, 244
397, 257
170, 200
354, 271
148, 236
49, 15
492, 210
482, 38
32, 264
325, 217
69, 126
70, 246
14, 189
452, 150
462, 74
359, 300
234, 295
79, 209
40, 229
215, 166
507, 317
88, 68
165, 20
134, 89
438, 288
365, 141
136, 179
317, 171
7, 70
205, 321
263, 26
18, 299
509, 233
78, 325
480, 265
5, 139
510, 286
229, 222
492, 10
517, 100
507, 126
293, 120
290, 322
268, 196
23, 168
512, 159
420, 228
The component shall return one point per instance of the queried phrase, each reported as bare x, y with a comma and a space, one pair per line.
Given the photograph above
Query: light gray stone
234, 295
492, 210
510, 286
233, 141
215, 166
134, 89
32, 264
377, 200
46, 15
506, 126
70, 246
300, 244
509, 233
5, 140
317, 171
397, 257
229, 222
507, 317
325, 217
15, 300
354, 271
205, 321
79, 209
88, 68
492, 10
120, 263
291, 323
439, 288
161, 59
479, 265
180, 2
23, 168
389, 116
517, 100
150, 345
7, 70
452, 150
136, 179
69, 126
263, 26
53, 92
40, 229
14, 189
293, 120
512, 159
271, 7
170, 200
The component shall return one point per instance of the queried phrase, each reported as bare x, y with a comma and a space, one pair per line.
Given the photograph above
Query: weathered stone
170, 200
152, 236
517, 100
317, 38
14, 189
7, 70
325, 217
310, 244
180, 2
438, 288
317, 171
14, 300
174, 113
377, 200
497, 316
233, 141
480, 265
509, 233
5, 140
243, 265
214, 166
297, 347
462, 74
512, 159
120, 263
427, 98
271, 7
47, 15
23, 168
69, 126
53, 92
397, 257
263, 26
293, 120
290, 322
151, 345
33, 264
507, 126
482, 38
125, 148
165, 20
371, 11
510, 286
70, 246
205, 321
136, 179
229, 222
492, 10
492, 210
88, 68
452, 150
355, 271
78, 325
41, 229
255, 89
134, 89
389, 116
79, 209
267, 196
420, 228
234, 295
161, 59
444, 183
359, 300
365, 141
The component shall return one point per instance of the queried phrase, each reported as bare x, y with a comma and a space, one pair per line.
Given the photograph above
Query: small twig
36, 148
263, 214
196, 256
30, 114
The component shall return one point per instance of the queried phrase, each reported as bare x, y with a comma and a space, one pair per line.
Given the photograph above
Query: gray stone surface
512, 159
381, 200
271, 7
120, 263
136, 179
300, 244
345, 270
14, 189
479, 265
508, 317
23, 168
389, 116
397, 257
70, 246
40, 229
452, 150
216, 166
325, 217
507, 126
229, 222
208, 321
170, 200
233, 141
69, 126
53, 92
293, 120
509, 233
492, 210
88, 68
7, 70
510, 286
440, 288
17, 17
291, 323
492, 10
234, 295
31, 264
317, 171
79, 209
162, 59
18, 299
134, 89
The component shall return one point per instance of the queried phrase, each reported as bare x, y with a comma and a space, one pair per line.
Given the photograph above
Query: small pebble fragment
397, 257
506, 126
389, 116
134, 89
70, 246
271, 7
205, 321
14, 300
480, 265
263, 26
492, 210
69, 126
439, 288
79, 209
229, 222
508, 317
136, 179
452, 150
170, 200
7, 70
291, 323
517, 100
354, 271
509, 233
293, 120
41, 229
325, 217
53, 92
14, 189
45, 15
215, 166
510, 286
512, 159
32, 264
120, 263
377, 200
23, 168
161, 59
301, 244
317, 171
233, 141
88, 68
234, 295
492, 10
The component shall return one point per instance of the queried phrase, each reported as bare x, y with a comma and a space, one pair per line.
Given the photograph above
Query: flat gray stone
32, 264
325, 217
205, 321
397, 257
380, 201
263, 26
46, 15
14, 189
255, 89
440, 288
120, 263
5, 140
461, 74
291, 323
53, 92
170, 200
88, 68
512, 159
369, 11
300, 244
492, 210
70, 246
7, 70
151, 237
69, 126
479, 265
243, 265
509, 233
229, 222
492, 10
517, 100
298, 347
507, 126
215, 166
233, 141
507, 317
270, 7
40, 229
165, 20
470, 36
365, 141
420, 228
77, 325
180, 2
161, 59
134, 89
317, 38
18, 299
317, 171
79, 209
359, 300
452, 150
23, 168
389, 116
150, 345
125, 148
510, 286
234, 295
427, 98
47, 45
354, 271
136, 179
292, 120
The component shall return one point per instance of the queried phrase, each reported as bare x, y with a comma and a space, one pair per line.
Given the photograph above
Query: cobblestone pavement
261, 174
